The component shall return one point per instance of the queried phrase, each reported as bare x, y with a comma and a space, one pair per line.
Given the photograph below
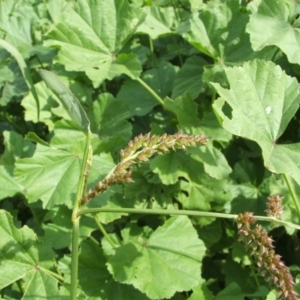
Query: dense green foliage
227, 70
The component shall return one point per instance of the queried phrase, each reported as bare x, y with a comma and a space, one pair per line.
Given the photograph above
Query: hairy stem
75, 218
74, 264
183, 212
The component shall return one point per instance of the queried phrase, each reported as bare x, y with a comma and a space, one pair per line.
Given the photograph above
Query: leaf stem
83, 177
151, 91
293, 194
74, 263
102, 229
182, 212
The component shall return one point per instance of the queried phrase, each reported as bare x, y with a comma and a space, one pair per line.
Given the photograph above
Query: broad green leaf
272, 295
59, 225
263, 98
159, 21
173, 165
189, 121
14, 88
110, 121
69, 101
159, 265
50, 175
232, 291
189, 78
201, 291
15, 147
211, 233
240, 255
204, 194
148, 191
215, 163
24, 69
41, 285
64, 136
16, 21
19, 259
186, 112
195, 33
48, 101
219, 32
96, 281
92, 33
275, 18
138, 99
213, 130
9, 186
235, 282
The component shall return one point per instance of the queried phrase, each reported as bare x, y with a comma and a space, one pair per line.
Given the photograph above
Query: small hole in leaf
227, 110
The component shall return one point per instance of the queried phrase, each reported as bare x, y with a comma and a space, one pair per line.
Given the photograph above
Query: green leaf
110, 117
16, 21
194, 31
275, 17
219, 32
41, 285
19, 259
173, 165
95, 280
14, 88
215, 163
64, 136
69, 101
9, 186
138, 99
48, 101
186, 112
189, 78
201, 291
24, 69
232, 291
160, 265
50, 175
15, 147
203, 194
158, 21
262, 97
59, 225
99, 29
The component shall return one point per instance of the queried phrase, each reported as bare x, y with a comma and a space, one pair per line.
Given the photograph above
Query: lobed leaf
275, 17
50, 175
19, 259
159, 265
264, 99
90, 36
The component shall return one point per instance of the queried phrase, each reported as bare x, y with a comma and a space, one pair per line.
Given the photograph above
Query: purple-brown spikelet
140, 149
260, 246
